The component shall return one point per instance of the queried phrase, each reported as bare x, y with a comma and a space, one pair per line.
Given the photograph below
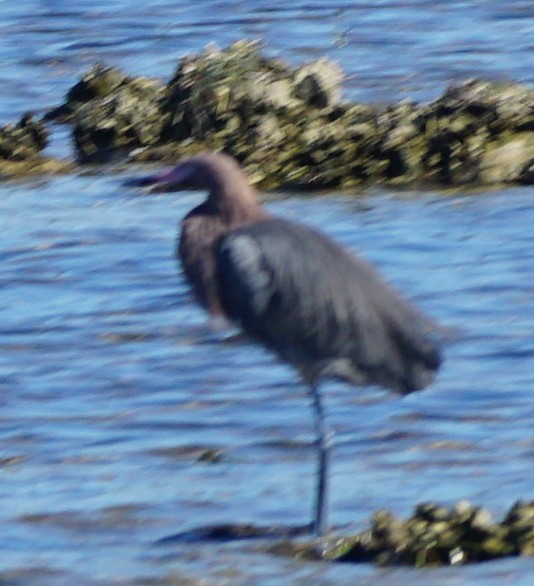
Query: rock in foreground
432, 536
437, 536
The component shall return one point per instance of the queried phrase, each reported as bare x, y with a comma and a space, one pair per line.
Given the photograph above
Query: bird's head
230, 194
215, 172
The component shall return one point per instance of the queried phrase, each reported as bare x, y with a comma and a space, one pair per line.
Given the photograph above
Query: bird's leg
324, 442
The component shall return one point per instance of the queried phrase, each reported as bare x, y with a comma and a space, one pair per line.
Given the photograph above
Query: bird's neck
237, 206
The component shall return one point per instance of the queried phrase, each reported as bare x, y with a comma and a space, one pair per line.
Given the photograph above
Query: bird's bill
168, 180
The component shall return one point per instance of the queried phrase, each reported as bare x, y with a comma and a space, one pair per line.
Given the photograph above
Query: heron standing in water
323, 310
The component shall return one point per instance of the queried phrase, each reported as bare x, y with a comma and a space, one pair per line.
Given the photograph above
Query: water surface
112, 387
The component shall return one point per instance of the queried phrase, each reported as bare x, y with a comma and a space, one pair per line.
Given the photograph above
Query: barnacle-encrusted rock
435, 535
21, 147
520, 525
319, 83
99, 81
526, 173
288, 126
23, 140
111, 113
258, 109
500, 107
220, 92
128, 119
479, 132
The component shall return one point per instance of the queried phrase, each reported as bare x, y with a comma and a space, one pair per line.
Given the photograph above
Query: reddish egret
325, 311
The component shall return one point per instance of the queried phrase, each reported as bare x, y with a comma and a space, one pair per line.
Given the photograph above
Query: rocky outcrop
289, 126
21, 149
433, 536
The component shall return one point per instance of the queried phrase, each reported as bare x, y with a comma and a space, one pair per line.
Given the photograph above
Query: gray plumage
322, 309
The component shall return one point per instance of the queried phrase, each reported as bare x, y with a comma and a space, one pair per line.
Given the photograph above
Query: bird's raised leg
324, 439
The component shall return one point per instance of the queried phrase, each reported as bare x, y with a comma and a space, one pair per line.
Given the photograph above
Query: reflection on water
124, 419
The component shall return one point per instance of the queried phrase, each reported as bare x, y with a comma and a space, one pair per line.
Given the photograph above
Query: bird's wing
200, 231
322, 309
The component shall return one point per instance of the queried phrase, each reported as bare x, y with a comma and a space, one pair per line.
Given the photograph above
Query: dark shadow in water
233, 532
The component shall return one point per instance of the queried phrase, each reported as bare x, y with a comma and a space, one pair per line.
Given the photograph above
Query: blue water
112, 385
